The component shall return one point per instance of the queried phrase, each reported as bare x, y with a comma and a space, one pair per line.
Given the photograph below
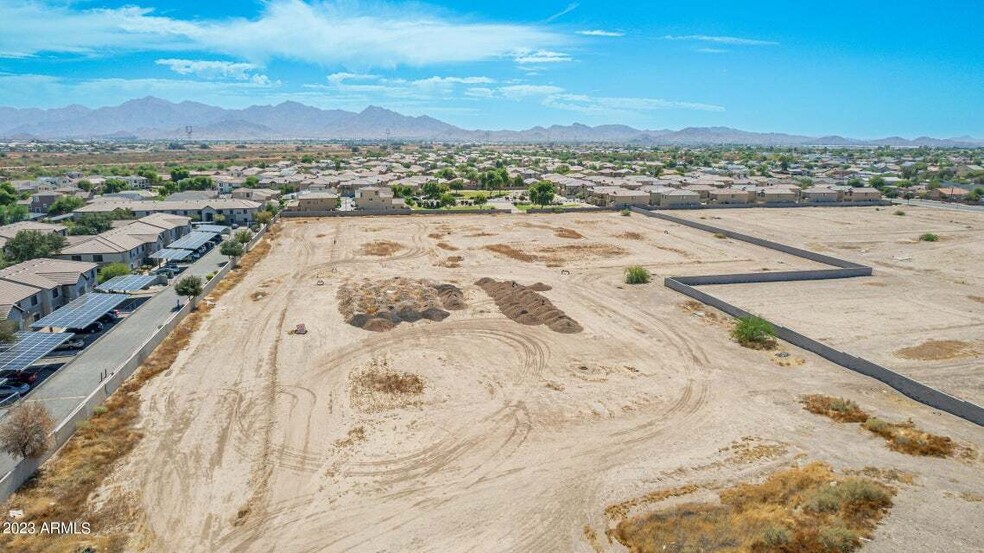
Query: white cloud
600, 32
570, 7
613, 105
525, 56
480, 92
712, 50
327, 32
337, 78
724, 40
519, 91
215, 70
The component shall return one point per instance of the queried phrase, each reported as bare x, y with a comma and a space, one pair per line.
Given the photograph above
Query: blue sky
856, 68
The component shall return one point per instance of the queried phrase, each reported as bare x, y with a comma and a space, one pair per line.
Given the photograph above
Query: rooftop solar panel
192, 241
170, 254
82, 312
127, 283
28, 347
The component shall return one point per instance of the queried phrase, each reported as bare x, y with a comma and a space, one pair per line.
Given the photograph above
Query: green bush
754, 331
928, 237
899, 212
837, 539
776, 536
637, 275
112, 270
625, 212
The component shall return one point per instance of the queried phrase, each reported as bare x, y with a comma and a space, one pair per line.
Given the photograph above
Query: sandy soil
920, 292
522, 436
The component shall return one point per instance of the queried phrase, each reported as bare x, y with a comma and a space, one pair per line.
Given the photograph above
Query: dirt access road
260, 440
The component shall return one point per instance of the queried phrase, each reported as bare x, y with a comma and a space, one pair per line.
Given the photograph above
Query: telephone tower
188, 129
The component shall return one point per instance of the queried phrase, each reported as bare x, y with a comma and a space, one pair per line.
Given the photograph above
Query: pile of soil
381, 248
525, 306
378, 306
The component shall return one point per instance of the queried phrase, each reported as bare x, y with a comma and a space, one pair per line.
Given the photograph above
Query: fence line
913, 389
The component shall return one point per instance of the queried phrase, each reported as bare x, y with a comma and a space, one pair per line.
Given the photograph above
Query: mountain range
156, 119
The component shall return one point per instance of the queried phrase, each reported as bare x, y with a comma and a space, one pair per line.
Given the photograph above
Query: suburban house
679, 198
313, 202
622, 197
233, 211
819, 195
703, 189
33, 289
130, 244
863, 194
730, 196
375, 198
9, 231
778, 195
952, 193
261, 195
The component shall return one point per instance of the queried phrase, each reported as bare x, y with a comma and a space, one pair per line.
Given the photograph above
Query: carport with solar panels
186, 246
81, 312
26, 349
127, 283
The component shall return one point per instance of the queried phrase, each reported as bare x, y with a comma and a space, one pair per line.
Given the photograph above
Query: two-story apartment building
33, 289
130, 244
232, 211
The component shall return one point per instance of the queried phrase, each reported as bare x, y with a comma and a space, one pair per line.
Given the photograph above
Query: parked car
165, 271
91, 329
110, 317
11, 387
20, 377
72, 343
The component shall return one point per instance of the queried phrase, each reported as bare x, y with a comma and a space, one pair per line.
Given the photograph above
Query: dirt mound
539, 287
567, 233
525, 306
511, 252
451, 296
630, 236
938, 350
446, 246
381, 248
378, 306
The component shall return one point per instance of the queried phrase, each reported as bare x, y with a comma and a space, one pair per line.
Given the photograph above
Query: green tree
32, 244
112, 186
189, 286
8, 330
65, 204
243, 236
251, 181
877, 181
8, 194
433, 190
232, 249
480, 199
12, 213
111, 271
263, 217
91, 223
179, 173
542, 193
84, 185
447, 200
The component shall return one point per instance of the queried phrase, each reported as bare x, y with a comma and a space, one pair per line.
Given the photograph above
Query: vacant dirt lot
917, 314
479, 433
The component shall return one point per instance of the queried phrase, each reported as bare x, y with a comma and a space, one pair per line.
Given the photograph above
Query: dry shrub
838, 409
446, 246
630, 235
902, 437
381, 248
907, 438
938, 350
511, 252
379, 388
803, 509
567, 233
978, 299
61, 488
25, 430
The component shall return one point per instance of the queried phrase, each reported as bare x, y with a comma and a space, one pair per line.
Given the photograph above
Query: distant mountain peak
152, 118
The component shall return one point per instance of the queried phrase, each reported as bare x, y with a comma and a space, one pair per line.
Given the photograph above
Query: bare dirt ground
500, 436
917, 314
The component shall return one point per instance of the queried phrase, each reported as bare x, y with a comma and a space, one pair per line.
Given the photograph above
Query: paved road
939, 205
63, 391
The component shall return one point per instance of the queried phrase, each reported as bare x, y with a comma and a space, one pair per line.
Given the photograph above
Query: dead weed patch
939, 350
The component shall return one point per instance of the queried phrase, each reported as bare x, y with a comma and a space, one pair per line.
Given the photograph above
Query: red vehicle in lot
19, 377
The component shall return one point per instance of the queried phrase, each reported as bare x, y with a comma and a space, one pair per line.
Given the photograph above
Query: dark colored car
91, 329
20, 377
